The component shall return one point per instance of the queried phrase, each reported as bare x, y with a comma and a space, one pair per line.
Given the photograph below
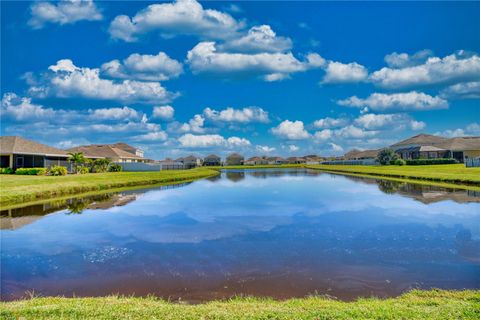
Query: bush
84, 170
400, 162
387, 156
6, 171
115, 167
58, 171
31, 171
420, 162
101, 165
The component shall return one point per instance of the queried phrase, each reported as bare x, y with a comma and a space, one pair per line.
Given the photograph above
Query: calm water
264, 232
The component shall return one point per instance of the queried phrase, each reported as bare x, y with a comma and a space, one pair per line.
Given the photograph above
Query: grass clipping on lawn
433, 304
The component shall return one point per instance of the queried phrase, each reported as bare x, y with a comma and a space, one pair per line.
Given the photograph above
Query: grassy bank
448, 173
22, 189
433, 304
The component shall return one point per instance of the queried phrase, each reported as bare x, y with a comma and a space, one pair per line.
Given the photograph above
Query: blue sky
273, 78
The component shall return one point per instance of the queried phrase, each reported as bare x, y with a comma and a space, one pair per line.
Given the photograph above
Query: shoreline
416, 304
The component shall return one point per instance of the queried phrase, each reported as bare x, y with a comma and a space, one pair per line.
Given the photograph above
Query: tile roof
104, 151
421, 139
19, 145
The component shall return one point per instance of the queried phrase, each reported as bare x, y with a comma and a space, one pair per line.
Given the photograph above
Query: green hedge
6, 171
58, 171
31, 171
419, 162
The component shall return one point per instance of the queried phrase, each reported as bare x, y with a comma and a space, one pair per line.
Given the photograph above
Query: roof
19, 145
104, 151
420, 139
190, 158
362, 154
461, 143
212, 156
430, 148
234, 155
125, 147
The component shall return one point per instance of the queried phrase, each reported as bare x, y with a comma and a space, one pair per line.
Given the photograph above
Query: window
19, 162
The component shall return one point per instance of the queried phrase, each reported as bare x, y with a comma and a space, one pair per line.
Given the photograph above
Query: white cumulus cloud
330, 123
22, 108
144, 67
337, 72
182, 17
245, 115
63, 12
258, 39
210, 140
466, 90
265, 149
163, 112
399, 101
292, 130
388, 121
124, 113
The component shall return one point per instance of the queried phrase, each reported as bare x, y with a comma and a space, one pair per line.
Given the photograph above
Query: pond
277, 233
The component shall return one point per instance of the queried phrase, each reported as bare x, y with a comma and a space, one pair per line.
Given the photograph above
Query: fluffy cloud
459, 67
186, 17
330, 123
467, 90
292, 130
335, 147
258, 39
194, 125
337, 72
403, 60
63, 12
210, 140
292, 148
354, 132
143, 67
473, 129
323, 135
395, 121
22, 108
204, 58
400, 101
265, 149
163, 112
65, 80
124, 113
245, 115
151, 136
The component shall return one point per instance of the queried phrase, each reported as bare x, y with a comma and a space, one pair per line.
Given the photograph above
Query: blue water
288, 233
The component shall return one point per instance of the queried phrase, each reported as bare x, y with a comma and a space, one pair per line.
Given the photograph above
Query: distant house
254, 161
430, 147
296, 160
17, 152
234, 159
313, 159
276, 160
118, 152
191, 161
169, 164
362, 155
212, 160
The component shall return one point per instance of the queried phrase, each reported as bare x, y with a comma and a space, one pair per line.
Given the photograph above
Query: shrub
6, 171
58, 171
101, 165
400, 162
84, 170
31, 171
387, 156
419, 162
115, 167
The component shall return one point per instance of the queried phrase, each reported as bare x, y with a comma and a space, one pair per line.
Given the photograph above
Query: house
170, 164
17, 152
234, 159
212, 160
276, 160
254, 161
313, 159
118, 152
296, 160
191, 161
425, 146
361, 155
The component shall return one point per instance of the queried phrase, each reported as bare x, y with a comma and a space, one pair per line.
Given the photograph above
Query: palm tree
77, 158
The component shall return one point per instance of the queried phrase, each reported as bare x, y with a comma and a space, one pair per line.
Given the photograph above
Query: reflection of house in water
424, 193
235, 176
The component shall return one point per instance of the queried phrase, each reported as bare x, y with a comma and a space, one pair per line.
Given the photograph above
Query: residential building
234, 159
212, 160
118, 152
362, 155
276, 160
254, 161
191, 161
296, 160
170, 164
17, 152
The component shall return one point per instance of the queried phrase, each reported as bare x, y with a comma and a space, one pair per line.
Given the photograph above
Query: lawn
434, 304
451, 173
16, 189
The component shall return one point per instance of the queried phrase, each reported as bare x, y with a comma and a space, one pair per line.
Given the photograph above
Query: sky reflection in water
263, 232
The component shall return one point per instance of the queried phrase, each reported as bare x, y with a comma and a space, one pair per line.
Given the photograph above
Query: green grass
17, 189
434, 304
450, 173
